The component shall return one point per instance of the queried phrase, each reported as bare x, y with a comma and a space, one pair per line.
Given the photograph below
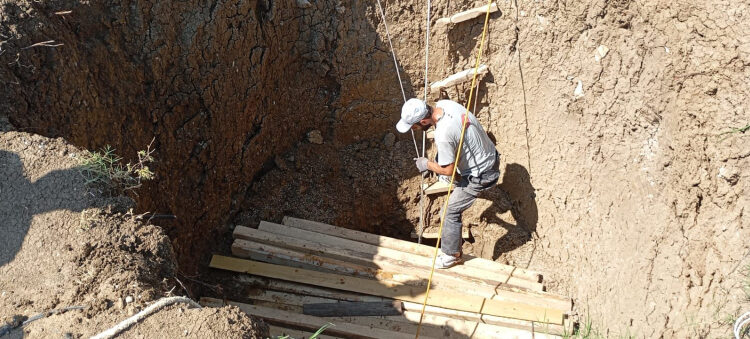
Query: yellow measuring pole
458, 155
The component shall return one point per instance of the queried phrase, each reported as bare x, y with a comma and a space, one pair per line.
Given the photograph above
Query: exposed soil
65, 245
627, 194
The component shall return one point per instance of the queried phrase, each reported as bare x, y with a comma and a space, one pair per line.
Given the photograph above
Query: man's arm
442, 170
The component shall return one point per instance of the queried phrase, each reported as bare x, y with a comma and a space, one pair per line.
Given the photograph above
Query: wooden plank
434, 326
291, 298
458, 78
293, 258
353, 308
402, 292
279, 306
396, 323
458, 328
437, 188
405, 246
476, 286
283, 256
296, 288
433, 235
290, 236
468, 15
312, 323
441, 279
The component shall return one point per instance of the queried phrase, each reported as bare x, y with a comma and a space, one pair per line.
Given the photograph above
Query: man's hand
421, 163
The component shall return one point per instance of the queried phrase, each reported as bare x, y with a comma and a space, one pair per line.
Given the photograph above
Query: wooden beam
406, 246
353, 308
458, 78
433, 235
402, 292
468, 15
296, 288
458, 328
436, 188
312, 323
432, 325
289, 257
291, 298
290, 236
390, 271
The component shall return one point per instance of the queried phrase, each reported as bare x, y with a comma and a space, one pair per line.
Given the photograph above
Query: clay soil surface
63, 244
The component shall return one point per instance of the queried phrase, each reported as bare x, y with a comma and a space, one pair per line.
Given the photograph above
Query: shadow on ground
515, 194
22, 199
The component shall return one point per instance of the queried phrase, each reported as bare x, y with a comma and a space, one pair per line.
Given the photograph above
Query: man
478, 165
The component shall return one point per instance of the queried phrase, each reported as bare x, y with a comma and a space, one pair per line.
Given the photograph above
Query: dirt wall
637, 199
221, 86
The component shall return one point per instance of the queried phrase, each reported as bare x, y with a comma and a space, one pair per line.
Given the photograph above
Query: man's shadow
515, 194
21, 199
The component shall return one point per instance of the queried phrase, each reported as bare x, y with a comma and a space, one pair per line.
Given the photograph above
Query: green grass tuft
104, 170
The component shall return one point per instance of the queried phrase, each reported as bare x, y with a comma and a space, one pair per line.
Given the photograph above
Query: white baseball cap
412, 111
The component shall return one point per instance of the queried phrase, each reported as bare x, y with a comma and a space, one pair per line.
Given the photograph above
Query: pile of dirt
66, 245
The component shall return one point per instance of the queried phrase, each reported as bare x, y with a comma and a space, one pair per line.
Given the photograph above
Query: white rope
426, 50
413, 138
741, 322
114, 331
424, 134
393, 52
398, 74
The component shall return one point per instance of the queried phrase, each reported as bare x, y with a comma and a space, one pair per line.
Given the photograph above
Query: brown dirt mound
62, 245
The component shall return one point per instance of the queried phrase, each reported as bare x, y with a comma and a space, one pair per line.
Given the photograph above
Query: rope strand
393, 51
453, 175
413, 138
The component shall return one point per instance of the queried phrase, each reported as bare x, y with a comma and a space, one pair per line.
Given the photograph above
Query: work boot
447, 261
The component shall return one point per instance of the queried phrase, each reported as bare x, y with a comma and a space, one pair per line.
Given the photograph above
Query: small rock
542, 20
578, 93
304, 4
601, 52
128, 299
389, 140
121, 303
315, 137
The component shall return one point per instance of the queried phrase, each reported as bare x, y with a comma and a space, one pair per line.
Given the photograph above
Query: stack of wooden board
300, 264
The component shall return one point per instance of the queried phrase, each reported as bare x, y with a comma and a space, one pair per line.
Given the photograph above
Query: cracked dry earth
626, 194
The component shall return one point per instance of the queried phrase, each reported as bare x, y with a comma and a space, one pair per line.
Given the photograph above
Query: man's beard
425, 127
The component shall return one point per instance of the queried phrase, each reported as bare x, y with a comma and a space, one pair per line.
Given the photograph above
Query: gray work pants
463, 196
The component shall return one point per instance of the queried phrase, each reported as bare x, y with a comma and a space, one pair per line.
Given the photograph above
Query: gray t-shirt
477, 152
